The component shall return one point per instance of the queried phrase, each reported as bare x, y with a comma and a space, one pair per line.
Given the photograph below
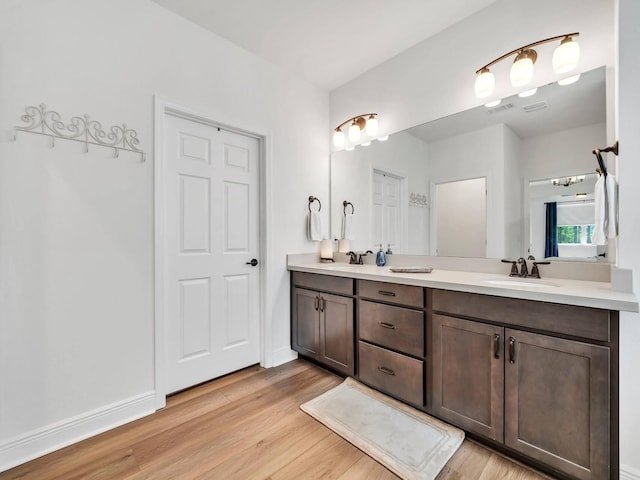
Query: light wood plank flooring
246, 425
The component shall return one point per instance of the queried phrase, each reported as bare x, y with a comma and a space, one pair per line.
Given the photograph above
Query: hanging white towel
611, 189
347, 226
314, 227
600, 199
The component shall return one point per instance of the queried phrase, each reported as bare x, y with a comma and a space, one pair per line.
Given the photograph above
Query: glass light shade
372, 126
566, 56
383, 139
354, 132
493, 103
350, 149
338, 138
569, 80
528, 93
366, 144
521, 71
485, 83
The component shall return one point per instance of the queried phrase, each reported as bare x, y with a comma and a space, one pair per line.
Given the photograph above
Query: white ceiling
327, 42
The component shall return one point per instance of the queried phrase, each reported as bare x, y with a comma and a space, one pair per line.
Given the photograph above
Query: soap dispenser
380, 258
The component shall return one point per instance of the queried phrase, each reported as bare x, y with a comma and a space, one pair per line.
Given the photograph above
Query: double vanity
529, 367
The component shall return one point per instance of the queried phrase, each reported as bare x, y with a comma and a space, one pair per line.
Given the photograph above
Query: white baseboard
629, 473
53, 437
282, 355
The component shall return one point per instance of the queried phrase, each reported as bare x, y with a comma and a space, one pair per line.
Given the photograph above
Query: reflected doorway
460, 220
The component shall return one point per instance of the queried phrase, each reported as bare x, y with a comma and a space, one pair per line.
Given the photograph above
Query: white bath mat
410, 443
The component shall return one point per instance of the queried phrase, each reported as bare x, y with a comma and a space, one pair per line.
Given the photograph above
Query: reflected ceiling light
494, 103
366, 144
348, 149
565, 182
581, 195
569, 80
528, 93
565, 58
383, 139
358, 123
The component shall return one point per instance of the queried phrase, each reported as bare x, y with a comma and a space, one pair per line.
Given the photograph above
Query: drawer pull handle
386, 293
386, 370
496, 346
387, 325
512, 350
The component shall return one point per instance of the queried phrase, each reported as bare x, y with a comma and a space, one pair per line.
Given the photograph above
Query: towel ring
345, 204
314, 199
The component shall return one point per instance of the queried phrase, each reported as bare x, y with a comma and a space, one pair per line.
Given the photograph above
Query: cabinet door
468, 375
305, 327
557, 402
336, 333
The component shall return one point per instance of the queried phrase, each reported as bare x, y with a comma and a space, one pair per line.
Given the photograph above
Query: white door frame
162, 106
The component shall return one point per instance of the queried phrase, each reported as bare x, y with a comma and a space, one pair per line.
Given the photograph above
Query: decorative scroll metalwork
41, 121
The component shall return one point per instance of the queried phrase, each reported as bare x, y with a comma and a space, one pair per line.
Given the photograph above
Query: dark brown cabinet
557, 402
322, 326
468, 375
540, 395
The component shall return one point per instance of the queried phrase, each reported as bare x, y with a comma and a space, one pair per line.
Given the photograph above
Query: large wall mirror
476, 183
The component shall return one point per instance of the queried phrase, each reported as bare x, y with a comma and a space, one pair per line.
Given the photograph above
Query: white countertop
554, 290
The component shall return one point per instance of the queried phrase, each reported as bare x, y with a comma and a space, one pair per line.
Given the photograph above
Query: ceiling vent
534, 107
500, 108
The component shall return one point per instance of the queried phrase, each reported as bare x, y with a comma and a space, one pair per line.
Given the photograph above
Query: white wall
629, 253
513, 196
76, 230
563, 153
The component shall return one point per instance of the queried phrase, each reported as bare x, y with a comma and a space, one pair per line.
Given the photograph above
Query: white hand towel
611, 189
314, 227
347, 226
600, 199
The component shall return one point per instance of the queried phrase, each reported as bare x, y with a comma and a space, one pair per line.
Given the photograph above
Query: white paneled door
211, 236
387, 212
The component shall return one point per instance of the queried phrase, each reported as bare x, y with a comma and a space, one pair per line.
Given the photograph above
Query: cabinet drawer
391, 372
325, 283
393, 327
391, 292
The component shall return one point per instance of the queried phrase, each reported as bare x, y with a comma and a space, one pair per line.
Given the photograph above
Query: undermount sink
516, 282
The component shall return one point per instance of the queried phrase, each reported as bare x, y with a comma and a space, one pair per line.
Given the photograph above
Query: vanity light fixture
367, 122
565, 58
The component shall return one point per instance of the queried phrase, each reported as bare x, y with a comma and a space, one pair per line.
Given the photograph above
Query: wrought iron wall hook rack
314, 199
41, 121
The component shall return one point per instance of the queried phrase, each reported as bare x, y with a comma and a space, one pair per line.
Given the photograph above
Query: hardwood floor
246, 425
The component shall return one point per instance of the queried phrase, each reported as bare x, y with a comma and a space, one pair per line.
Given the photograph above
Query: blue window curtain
551, 231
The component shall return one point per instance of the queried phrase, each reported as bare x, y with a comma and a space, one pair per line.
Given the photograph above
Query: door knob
253, 262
